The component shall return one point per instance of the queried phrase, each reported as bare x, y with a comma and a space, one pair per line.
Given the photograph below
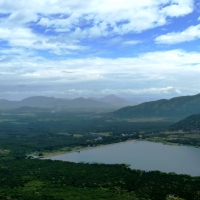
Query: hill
56, 104
178, 107
191, 123
27, 109
40, 101
6, 104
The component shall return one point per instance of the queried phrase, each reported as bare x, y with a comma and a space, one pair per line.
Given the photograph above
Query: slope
179, 107
191, 123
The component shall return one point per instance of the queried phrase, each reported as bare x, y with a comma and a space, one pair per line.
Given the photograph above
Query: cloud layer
97, 47
88, 19
168, 72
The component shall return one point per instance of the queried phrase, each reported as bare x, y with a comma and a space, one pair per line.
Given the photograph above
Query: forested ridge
177, 108
56, 180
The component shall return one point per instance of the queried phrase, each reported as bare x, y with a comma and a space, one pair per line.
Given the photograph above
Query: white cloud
191, 33
18, 36
129, 91
142, 73
121, 17
19, 17
96, 18
24, 38
178, 8
65, 23
148, 65
132, 42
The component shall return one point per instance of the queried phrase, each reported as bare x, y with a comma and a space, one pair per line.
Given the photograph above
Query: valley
30, 132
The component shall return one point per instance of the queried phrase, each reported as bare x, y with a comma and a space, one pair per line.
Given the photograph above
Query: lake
141, 155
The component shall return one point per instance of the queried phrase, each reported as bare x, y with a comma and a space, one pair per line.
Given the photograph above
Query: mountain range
178, 107
110, 102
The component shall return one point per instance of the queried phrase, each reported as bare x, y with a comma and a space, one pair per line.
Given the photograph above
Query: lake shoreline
139, 154
78, 149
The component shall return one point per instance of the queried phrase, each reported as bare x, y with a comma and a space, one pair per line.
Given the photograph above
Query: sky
143, 50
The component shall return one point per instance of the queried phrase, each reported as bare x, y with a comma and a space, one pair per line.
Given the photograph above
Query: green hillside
191, 123
179, 108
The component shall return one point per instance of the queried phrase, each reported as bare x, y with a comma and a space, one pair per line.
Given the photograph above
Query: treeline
46, 179
186, 141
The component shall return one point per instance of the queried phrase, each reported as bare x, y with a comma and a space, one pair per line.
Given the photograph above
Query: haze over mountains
110, 102
178, 107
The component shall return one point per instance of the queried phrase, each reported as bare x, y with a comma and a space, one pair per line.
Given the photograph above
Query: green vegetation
77, 135
64, 131
106, 134
175, 138
45, 179
185, 132
43, 133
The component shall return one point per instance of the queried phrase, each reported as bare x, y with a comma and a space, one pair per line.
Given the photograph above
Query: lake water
141, 155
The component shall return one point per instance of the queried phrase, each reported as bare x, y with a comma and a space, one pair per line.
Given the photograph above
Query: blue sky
135, 49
